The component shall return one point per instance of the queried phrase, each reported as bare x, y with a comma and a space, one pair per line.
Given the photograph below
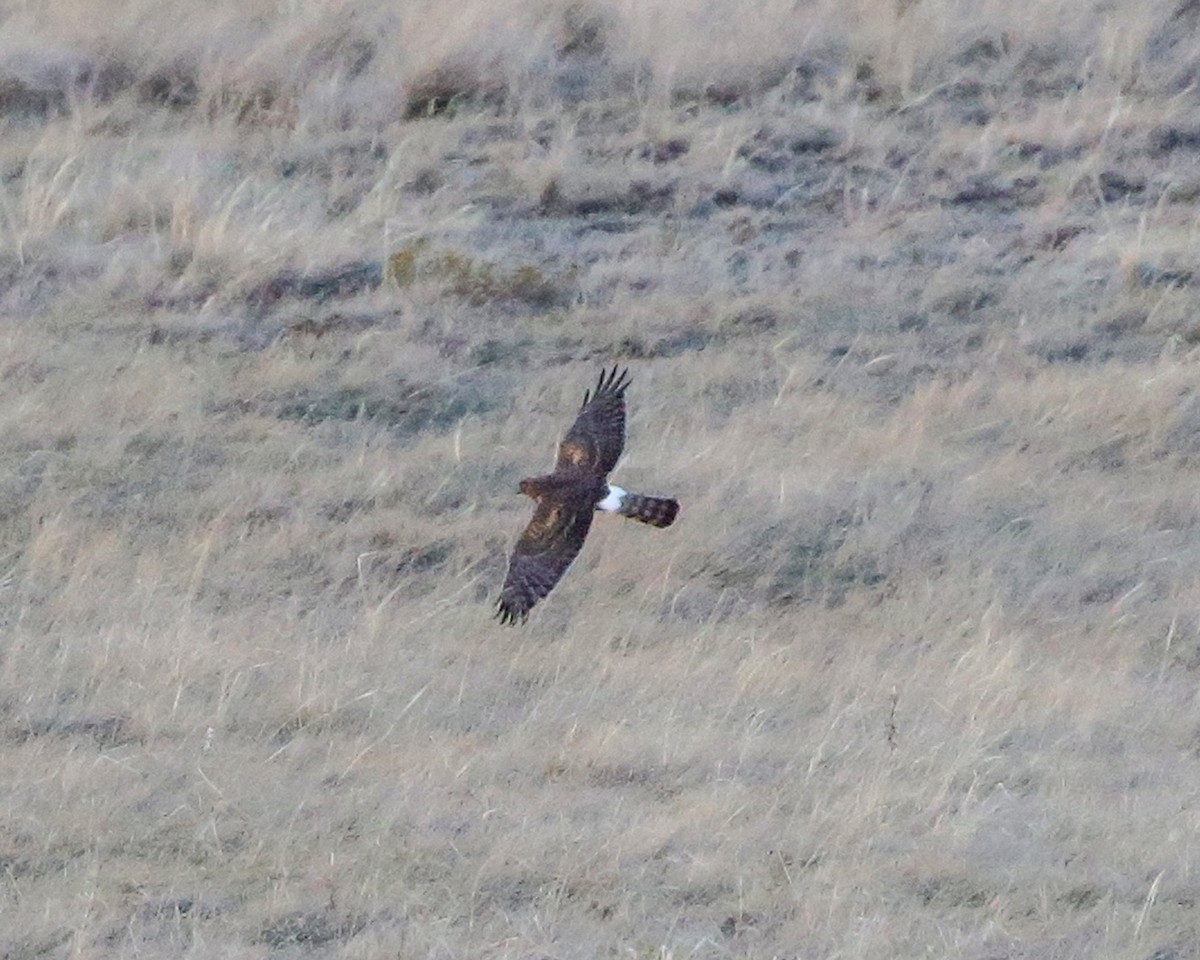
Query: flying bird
568, 498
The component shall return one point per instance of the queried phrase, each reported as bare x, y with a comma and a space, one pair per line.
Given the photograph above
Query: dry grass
291, 295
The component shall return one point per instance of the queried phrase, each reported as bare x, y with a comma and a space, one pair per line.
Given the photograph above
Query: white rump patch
612, 503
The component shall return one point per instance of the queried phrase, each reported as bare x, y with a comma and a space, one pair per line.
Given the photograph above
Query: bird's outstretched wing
595, 440
543, 553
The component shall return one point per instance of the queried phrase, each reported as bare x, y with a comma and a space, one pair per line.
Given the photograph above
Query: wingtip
508, 616
614, 380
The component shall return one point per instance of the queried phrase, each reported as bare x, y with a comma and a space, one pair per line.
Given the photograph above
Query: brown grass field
293, 293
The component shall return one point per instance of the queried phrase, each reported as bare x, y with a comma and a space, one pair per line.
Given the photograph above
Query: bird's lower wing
552, 540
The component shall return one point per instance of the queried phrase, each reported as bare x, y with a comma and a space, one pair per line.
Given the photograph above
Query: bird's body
557, 484
568, 498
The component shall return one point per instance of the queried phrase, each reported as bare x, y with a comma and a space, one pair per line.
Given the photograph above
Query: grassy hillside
293, 294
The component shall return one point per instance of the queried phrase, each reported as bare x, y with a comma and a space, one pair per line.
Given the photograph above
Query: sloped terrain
291, 297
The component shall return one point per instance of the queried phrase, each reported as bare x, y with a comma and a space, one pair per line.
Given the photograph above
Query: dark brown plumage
597, 437
567, 499
656, 511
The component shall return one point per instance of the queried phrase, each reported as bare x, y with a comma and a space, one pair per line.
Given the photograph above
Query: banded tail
656, 511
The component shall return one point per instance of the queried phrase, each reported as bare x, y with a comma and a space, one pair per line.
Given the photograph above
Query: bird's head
526, 487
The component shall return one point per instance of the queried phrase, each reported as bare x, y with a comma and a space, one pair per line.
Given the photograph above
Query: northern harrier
567, 498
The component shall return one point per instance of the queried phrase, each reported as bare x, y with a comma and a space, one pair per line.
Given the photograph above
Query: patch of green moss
406, 408
478, 282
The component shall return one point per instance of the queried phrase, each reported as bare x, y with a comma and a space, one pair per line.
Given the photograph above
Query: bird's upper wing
543, 553
595, 440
